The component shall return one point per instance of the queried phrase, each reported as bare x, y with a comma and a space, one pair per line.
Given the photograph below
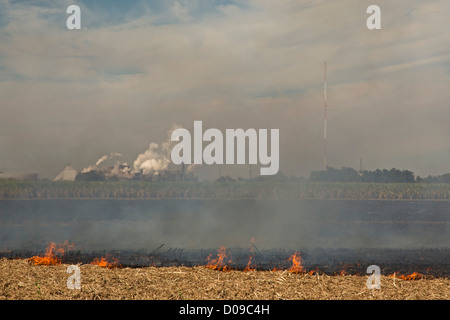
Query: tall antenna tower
325, 117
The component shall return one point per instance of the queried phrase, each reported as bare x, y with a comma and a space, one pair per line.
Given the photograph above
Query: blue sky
138, 67
102, 13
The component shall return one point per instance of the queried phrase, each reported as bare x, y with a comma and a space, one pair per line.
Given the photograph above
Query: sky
138, 68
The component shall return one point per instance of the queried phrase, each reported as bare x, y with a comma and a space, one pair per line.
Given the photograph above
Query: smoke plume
100, 161
156, 158
106, 157
151, 160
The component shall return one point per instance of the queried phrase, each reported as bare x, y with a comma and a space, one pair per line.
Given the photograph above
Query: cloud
136, 68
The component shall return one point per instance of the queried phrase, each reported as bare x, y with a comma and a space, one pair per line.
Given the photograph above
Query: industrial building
123, 172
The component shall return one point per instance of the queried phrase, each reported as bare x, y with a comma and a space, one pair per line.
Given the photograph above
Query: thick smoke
211, 223
152, 160
156, 158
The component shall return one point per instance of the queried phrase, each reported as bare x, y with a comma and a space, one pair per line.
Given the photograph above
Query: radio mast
325, 117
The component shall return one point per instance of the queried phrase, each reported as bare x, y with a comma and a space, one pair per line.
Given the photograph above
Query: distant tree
90, 176
444, 178
225, 179
279, 176
346, 174
113, 178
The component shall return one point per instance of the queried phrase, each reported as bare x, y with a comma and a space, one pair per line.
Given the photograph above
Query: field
240, 189
21, 280
164, 235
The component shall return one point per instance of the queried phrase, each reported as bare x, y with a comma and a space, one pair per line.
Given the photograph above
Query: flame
296, 263
50, 257
252, 254
218, 263
106, 262
412, 276
344, 270
248, 268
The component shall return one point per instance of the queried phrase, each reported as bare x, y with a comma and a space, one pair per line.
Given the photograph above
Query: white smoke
120, 168
100, 161
156, 158
106, 157
153, 160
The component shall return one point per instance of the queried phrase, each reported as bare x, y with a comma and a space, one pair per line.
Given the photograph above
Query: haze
138, 68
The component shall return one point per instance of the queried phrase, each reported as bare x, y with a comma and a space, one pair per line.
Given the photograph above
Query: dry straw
22, 280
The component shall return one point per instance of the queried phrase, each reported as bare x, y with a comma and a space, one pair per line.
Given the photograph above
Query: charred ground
332, 236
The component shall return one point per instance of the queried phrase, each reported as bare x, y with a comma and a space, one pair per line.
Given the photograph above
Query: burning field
20, 279
47, 277
223, 250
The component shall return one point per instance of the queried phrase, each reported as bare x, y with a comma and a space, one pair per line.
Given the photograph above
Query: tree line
225, 188
346, 174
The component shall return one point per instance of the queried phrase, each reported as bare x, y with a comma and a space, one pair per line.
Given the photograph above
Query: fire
344, 270
50, 257
106, 262
218, 263
248, 268
252, 254
296, 263
412, 276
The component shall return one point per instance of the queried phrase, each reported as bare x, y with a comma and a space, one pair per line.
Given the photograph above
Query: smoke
151, 160
156, 158
89, 169
106, 157
290, 224
120, 168
100, 161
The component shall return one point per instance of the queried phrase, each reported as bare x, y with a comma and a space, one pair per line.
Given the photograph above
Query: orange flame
344, 270
218, 263
248, 268
50, 257
412, 276
252, 254
105, 263
296, 263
